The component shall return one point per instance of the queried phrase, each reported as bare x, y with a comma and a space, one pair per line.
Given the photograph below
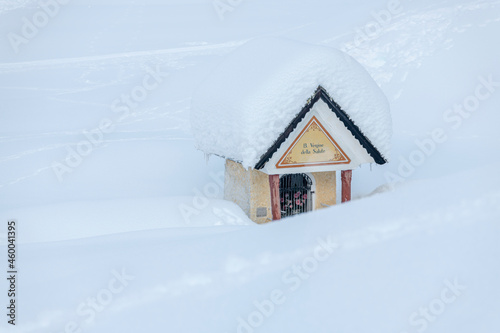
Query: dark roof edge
344, 118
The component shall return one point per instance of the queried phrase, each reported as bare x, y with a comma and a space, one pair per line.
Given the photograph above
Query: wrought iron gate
295, 194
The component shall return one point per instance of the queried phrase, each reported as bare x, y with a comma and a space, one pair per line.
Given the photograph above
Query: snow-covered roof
251, 97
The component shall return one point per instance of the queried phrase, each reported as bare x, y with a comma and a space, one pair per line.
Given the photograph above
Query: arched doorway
295, 194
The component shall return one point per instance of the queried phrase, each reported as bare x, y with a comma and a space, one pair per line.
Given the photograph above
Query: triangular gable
313, 146
321, 94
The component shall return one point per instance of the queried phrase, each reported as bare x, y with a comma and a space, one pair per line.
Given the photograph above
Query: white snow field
121, 225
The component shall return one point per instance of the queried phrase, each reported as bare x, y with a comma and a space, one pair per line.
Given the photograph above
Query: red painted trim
346, 176
274, 182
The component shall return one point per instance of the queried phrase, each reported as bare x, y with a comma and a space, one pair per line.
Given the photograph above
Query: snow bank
252, 96
381, 275
87, 219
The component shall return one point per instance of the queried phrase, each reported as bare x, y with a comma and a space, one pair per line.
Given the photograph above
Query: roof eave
322, 94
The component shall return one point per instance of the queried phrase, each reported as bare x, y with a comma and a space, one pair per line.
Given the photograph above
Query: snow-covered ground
130, 233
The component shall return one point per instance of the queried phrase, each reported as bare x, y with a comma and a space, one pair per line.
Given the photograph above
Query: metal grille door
295, 194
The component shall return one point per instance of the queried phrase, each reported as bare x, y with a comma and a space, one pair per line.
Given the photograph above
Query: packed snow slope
373, 272
121, 222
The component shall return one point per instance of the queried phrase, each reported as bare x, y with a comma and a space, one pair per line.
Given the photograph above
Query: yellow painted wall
326, 189
237, 185
260, 196
250, 190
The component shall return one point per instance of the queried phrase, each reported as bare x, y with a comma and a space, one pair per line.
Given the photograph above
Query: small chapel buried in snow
287, 117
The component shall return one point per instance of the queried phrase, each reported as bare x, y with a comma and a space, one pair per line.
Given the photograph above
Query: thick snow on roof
249, 99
